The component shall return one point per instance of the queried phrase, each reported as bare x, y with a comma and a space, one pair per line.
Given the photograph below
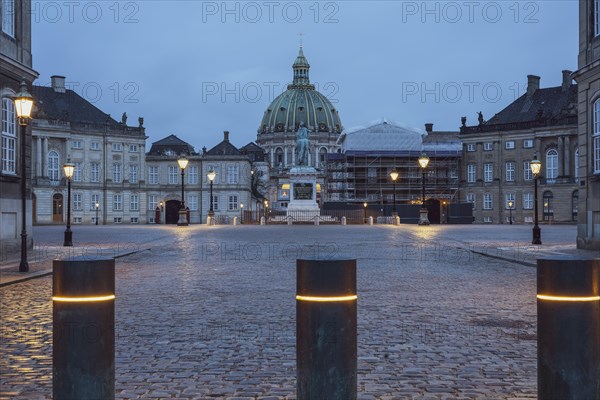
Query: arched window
53, 171
278, 156
576, 171
548, 199
322, 155
9, 137
551, 165
574, 204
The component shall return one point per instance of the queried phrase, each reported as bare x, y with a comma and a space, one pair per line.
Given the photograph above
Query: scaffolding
363, 176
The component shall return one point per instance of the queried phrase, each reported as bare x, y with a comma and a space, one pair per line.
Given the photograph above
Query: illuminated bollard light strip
83, 349
568, 308
326, 345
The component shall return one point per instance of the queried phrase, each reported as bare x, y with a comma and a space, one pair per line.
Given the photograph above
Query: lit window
9, 137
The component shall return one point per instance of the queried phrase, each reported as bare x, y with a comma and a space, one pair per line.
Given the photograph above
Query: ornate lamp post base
423, 216
68, 238
537, 235
182, 221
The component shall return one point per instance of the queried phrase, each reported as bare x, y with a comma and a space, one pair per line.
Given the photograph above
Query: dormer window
301, 109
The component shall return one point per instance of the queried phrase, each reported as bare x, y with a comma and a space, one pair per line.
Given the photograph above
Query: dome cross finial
300, 39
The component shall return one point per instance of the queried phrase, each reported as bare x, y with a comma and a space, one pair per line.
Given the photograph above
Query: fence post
370, 220
289, 220
317, 221
344, 220
235, 221
568, 307
83, 308
326, 329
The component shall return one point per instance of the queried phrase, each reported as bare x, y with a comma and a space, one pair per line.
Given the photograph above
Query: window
53, 169
488, 172
95, 146
9, 135
95, 198
510, 201
551, 165
487, 220
117, 202
215, 202
8, 17
471, 173
116, 172
471, 199
509, 145
279, 156
528, 143
77, 144
596, 17
574, 204
233, 202
527, 201
192, 202
471, 147
192, 175
117, 220
134, 202
133, 148
548, 205
510, 172
576, 170
596, 136
133, 173
133, 220
488, 146
94, 172
153, 175
452, 173
77, 203
487, 201
527, 174
117, 147
152, 202
77, 172
173, 174
77, 220
232, 173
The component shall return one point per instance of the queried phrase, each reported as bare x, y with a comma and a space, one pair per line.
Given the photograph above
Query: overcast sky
196, 68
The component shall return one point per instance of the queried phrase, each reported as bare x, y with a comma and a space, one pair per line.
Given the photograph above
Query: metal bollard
326, 329
209, 220
235, 222
568, 307
343, 220
370, 220
83, 350
317, 221
290, 220
262, 220
397, 220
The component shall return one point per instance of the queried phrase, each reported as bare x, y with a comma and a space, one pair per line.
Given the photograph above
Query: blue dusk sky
197, 68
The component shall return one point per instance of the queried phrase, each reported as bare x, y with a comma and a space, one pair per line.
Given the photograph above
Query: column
272, 156
561, 156
44, 156
293, 155
38, 161
567, 157
285, 155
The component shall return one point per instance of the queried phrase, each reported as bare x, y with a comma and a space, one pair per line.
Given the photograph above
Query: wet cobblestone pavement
209, 312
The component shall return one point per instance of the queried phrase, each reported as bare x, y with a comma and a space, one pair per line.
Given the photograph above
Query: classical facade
15, 66
108, 184
496, 175
588, 84
360, 171
300, 103
163, 181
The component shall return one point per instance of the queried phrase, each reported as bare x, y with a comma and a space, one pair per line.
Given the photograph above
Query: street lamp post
265, 209
97, 207
23, 106
510, 207
182, 221
68, 168
241, 213
365, 204
423, 213
211, 177
394, 175
536, 165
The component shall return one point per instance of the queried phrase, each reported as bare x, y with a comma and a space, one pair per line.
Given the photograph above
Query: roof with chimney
171, 146
254, 152
225, 148
66, 106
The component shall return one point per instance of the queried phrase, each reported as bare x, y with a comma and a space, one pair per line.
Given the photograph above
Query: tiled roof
68, 106
171, 146
225, 148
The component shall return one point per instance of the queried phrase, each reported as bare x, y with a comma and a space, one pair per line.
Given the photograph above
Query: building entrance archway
172, 211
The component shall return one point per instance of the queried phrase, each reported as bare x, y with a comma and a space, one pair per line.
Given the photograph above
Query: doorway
57, 207
172, 211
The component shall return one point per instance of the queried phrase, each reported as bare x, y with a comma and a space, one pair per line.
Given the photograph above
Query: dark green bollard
568, 307
326, 329
83, 359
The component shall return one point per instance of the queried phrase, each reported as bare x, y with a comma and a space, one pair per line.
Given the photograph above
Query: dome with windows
300, 103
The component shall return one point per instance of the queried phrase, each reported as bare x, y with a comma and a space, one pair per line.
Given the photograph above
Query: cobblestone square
444, 312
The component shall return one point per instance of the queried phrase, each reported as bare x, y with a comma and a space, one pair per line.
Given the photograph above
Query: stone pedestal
303, 194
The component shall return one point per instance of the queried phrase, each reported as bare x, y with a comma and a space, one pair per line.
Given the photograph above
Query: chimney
533, 84
226, 136
58, 83
429, 128
567, 80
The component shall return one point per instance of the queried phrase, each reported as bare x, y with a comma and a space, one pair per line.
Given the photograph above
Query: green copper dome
300, 102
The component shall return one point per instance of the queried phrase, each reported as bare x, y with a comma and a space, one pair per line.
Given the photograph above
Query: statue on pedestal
302, 145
